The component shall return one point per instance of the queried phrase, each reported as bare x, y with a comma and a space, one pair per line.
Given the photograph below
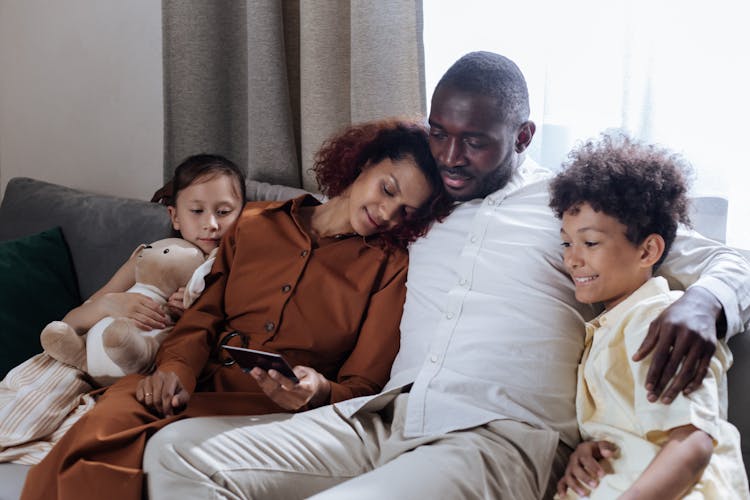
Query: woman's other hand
313, 388
144, 311
162, 392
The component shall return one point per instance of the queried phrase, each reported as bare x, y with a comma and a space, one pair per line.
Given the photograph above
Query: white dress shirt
491, 328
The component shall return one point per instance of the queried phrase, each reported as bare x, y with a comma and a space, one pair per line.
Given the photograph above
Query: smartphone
250, 358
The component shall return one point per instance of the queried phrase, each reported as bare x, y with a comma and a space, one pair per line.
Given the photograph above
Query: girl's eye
387, 190
197, 210
223, 213
591, 243
565, 244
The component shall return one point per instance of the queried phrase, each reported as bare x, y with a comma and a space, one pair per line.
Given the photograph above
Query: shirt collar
654, 286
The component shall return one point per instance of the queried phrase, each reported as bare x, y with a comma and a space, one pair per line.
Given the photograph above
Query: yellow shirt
611, 401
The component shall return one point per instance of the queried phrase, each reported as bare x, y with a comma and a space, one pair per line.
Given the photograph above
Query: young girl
209, 193
321, 284
209, 196
620, 203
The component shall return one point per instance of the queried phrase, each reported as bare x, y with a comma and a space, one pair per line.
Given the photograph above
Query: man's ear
652, 249
524, 136
173, 216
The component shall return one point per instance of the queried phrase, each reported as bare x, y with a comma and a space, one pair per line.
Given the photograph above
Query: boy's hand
684, 337
312, 387
162, 392
144, 311
175, 303
586, 466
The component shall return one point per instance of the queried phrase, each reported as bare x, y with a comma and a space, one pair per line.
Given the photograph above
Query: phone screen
250, 358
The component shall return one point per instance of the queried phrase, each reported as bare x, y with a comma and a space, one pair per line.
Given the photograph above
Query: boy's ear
173, 216
652, 249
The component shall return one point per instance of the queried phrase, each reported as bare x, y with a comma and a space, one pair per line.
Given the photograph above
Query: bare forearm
83, 317
676, 468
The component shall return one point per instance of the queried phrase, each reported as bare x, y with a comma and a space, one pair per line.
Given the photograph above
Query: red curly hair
341, 159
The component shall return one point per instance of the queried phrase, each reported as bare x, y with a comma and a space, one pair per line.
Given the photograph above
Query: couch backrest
101, 231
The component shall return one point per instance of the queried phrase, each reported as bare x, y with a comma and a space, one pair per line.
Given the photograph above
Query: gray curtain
265, 82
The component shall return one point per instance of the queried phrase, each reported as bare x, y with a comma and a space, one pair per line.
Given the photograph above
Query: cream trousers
325, 454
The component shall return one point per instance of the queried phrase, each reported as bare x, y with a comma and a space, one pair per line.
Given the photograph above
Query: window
669, 72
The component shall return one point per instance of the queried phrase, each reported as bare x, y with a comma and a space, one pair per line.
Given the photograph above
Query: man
480, 401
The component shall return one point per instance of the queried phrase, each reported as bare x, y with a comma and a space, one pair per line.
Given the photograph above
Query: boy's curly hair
341, 159
642, 186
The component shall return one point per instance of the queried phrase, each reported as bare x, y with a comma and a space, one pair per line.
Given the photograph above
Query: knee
161, 444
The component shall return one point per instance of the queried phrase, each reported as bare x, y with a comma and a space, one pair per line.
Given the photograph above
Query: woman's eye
387, 190
197, 210
565, 244
591, 243
223, 213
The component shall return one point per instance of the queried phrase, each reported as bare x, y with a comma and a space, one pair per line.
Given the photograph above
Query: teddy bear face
167, 264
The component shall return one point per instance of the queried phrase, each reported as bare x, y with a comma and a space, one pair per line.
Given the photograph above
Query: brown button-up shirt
335, 307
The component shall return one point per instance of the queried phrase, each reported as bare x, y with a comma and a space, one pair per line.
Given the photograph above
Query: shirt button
462, 282
286, 288
270, 326
473, 238
449, 315
433, 359
304, 253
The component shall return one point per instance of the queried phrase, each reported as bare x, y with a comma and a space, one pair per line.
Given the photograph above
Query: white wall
81, 94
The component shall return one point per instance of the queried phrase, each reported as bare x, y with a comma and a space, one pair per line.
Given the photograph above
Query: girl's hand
162, 393
175, 303
312, 388
584, 468
144, 311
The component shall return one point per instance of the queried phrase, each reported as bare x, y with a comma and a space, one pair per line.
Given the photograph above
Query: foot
61, 342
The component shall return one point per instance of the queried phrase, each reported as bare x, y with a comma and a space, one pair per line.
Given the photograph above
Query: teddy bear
115, 347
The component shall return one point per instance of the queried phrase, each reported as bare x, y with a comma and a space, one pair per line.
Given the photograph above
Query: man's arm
716, 303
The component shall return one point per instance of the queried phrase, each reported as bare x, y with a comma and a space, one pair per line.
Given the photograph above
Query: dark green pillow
37, 285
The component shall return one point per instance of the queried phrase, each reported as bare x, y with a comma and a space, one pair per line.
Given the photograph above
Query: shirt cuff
728, 300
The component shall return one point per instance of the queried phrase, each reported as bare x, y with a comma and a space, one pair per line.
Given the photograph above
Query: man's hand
312, 387
162, 392
586, 466
682, 337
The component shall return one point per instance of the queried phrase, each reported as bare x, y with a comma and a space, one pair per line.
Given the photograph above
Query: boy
620, 203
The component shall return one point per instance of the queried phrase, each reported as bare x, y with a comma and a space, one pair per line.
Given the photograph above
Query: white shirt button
449, 315
433, 359
473, 238
463, 282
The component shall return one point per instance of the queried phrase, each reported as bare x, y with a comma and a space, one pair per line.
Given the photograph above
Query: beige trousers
325, 454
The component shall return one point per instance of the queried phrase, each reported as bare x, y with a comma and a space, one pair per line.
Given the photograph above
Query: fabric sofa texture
102, 231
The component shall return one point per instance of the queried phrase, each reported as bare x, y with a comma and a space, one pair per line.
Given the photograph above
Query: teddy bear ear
138, 249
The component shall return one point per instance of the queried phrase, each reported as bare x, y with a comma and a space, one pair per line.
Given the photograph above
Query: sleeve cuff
728, 300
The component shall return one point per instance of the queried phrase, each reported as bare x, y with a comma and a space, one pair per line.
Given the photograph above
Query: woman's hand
584, 468
144, 311
162, 392
312, 388
175, 303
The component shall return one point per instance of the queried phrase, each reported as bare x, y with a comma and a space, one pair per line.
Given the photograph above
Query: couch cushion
38, 286
101, 231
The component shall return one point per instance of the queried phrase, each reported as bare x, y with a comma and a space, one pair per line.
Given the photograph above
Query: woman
322, 284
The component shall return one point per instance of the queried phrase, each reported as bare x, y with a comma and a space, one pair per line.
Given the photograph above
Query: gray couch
101, 232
